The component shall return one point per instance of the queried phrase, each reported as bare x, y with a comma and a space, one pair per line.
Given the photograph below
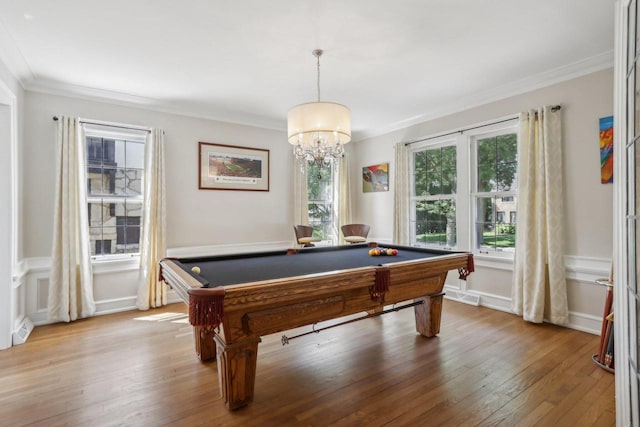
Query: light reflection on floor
180, 318
166, 317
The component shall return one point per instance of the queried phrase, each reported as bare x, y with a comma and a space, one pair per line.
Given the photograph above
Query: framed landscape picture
228, 167
375, 178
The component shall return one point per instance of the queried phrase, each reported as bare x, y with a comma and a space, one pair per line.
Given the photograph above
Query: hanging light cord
317, 54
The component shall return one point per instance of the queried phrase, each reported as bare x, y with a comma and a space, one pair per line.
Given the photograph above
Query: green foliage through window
490, 183
435, 185
497, 161
435, 171
320, 179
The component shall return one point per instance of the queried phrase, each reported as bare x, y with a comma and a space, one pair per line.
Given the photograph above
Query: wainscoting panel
36, 281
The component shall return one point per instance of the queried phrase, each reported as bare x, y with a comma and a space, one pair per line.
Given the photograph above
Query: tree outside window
496, 183
321, 202
464, 190
435, 181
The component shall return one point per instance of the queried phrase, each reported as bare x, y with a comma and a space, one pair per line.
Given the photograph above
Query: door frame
8, 215
622, 331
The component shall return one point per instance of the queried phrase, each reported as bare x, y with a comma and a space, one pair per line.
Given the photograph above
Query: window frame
116, 132
473, 137
466, 193
432, 144
331, 203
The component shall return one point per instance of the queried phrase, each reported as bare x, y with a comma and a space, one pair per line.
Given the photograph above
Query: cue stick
605, 324
285, 339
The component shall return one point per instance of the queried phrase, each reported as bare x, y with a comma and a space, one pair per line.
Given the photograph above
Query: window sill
498, 262
102, 265
435, 247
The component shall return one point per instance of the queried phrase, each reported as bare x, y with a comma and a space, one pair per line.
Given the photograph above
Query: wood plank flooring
485, 368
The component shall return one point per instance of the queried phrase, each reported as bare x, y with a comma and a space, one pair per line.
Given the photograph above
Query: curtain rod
553, 109
87, 122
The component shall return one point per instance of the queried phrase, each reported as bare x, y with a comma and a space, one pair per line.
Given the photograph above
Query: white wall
11, 289
197, 219
588, 204
194, 217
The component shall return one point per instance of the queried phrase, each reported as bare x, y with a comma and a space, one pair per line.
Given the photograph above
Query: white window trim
334, 234
464, 141
114, 130
473, 136
120, 131
437, 142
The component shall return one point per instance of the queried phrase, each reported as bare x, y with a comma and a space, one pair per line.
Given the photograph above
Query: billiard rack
285, 339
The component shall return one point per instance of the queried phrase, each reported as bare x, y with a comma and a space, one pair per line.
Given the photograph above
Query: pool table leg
205, 346
237, 371
428, 314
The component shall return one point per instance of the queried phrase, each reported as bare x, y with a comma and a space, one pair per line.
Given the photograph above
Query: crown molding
13, 59
571, 71
136, 101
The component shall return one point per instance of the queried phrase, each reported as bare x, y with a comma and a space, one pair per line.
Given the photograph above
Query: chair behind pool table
355, 233
304, 235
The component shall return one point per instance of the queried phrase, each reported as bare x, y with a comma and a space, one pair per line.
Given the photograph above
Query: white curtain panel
71, 278
300, 197
401, 195
152, 292
344, 197
539, 271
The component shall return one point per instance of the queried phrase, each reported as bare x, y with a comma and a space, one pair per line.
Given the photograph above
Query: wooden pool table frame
251, 310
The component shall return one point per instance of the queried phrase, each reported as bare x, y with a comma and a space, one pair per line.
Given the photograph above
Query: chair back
302, 231
361, 230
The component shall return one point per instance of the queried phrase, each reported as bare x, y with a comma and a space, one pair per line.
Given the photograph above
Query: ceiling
393, 62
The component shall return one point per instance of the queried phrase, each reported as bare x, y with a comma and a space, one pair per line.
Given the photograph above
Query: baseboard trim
104, 307
579, 321
585, 322
461, 296
485, 299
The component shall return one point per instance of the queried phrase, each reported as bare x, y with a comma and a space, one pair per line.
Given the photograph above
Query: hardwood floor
485, 368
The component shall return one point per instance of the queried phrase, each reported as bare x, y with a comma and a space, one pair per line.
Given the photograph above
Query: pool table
235, 299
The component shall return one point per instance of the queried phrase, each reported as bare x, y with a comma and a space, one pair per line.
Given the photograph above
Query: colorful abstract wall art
606, 150
375, 178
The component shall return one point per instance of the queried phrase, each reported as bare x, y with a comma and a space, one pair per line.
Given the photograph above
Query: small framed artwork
228, 167
375, 178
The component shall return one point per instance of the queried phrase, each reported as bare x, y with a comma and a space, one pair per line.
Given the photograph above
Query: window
434, 202
464, 190
495, 179
115, 172
322, 201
